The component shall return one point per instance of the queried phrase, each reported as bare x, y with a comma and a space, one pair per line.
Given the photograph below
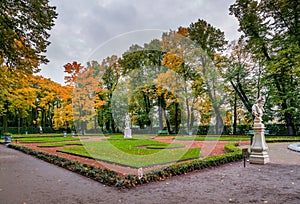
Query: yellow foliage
172, 61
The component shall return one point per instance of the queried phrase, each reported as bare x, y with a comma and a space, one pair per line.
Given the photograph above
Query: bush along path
112, 178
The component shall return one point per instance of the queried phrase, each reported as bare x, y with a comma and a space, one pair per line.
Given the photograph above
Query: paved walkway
25, 179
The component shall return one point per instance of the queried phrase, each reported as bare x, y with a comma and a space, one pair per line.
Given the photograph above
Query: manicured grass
17, 136
60, 144
238, 138
134, 137
282, 139
164, 146
213, 138
125, 152
46, 139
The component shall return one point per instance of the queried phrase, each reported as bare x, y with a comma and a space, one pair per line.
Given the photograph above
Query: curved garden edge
111, 178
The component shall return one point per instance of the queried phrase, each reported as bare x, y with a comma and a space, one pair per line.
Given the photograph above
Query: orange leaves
73, 70
172, 61
183, 31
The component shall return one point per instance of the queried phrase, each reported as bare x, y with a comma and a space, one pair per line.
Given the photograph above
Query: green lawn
45, 139
238, 138
134, 137
282, 139
15, 136
124, 152
213, 138
59, 144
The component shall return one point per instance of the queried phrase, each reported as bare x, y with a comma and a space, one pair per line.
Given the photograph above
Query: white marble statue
127, 130
127, 121
259, 148
258, 109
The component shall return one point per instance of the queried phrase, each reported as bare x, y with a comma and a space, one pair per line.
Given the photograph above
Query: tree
24, 38
141, 65
109, 78
212, 41
63, 113
272, 32
86, 95
183, 78
243, 74
24, 33
17, 96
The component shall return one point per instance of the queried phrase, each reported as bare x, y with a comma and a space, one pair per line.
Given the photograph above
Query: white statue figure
127, 121
258, 109
259, 148
127, 130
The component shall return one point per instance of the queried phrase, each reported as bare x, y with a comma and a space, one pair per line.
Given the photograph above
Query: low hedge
111, 178
232, 147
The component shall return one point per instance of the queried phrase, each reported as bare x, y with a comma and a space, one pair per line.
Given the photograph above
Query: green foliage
232, 147
211, 40
271, 30
6, 134
271, 139
24, 33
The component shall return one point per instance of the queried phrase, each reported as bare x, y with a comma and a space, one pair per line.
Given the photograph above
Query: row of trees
24, 38
187, 78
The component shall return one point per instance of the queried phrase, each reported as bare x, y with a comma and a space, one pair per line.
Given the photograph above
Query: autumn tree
85, 97
17, 97
24, 39
141, 66
212, 41
63, 109
24, 33
183, 78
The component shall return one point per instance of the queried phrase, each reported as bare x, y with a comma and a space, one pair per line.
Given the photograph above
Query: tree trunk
112, 123
288, 120
176, 118
167, 121
19, 120
219, 121
192, 120
5, 122
234, 114
188, 115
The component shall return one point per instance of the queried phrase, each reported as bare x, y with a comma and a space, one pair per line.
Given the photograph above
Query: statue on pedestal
127, 121
259, 148
258, 109
127, 130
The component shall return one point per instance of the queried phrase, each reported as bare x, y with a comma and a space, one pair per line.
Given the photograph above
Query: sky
86, 27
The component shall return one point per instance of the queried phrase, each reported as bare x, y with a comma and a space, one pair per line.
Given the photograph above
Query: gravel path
25, 179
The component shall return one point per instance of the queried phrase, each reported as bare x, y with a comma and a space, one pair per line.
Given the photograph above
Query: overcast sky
86, 26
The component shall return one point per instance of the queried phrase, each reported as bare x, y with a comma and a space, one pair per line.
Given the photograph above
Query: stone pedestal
127, 133
259, 148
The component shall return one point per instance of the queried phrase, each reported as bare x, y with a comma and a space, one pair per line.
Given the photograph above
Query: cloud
84, 25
